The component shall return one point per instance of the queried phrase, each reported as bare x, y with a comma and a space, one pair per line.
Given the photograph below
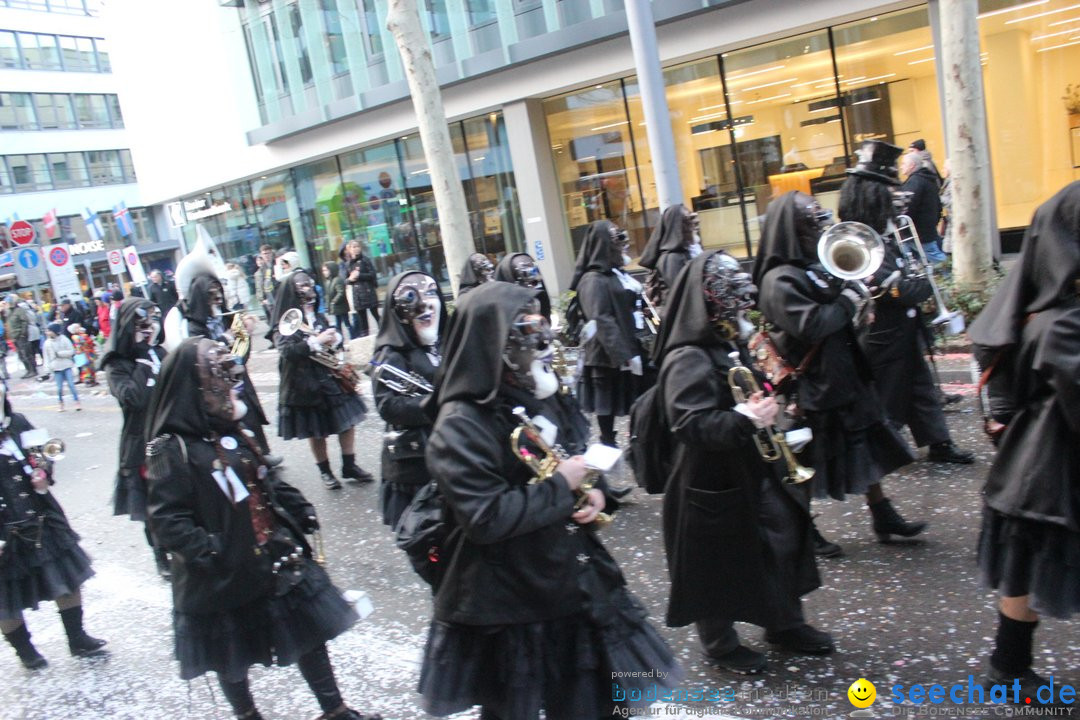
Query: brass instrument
770, 441
320, 550
652, 314
241, 339
852, 251
292, 322
907, 237
561, 368
545, 464
402, 382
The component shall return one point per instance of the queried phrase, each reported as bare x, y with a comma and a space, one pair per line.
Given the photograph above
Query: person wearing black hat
131, 362
531, 612
816, 319
40, 557
478, 270
610, 299
315, 401
408, 341
1028, 339
673, 243
246, 589
897, 338
738, 541
67, 315
521, 269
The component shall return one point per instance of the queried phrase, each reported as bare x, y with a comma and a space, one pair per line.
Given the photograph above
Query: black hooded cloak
738, 542
407, 425
504, 272
131, 370
311, 402
853, 447
468, 279
517, 568
1031, 329
667, 251
231, 610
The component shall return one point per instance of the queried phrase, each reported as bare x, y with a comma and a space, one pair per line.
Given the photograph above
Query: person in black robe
408, 340
673, 243
853, 446
40, 557
478, 270
203, 311
246, 589
131, 362
531, 612
314, 400
738, 540
610, 300
896, 343
521, 269
1028, 337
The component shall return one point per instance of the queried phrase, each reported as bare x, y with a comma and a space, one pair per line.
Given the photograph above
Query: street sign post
65, 281
29, 269
22, 233
116, 262
134, 265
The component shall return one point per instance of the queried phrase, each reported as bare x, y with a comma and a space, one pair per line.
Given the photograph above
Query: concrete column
539, 194
639, 18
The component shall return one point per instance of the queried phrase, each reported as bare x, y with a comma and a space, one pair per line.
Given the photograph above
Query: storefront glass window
320, 197
271, 209
594, 161
239, 240
490, 191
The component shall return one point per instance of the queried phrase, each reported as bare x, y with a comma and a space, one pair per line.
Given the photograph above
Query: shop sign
81, 248
202, 208
176, 214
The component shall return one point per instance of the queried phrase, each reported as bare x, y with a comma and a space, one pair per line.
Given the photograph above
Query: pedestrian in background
264, 280
361, 278
85, 354
19, 321
924, 204
162, 292
59, 359
104, 324
237, 293
337, 304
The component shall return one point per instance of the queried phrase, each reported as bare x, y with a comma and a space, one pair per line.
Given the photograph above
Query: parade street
900, 614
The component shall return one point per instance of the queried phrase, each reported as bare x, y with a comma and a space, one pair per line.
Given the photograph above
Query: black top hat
877, 161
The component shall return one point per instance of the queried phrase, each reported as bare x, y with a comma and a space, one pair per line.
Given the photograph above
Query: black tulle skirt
30, 575
575, 667
270, 630
129, 495
847, 461
337, 414
1026, 557
608, 391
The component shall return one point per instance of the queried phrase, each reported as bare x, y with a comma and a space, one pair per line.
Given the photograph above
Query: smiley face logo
862, 693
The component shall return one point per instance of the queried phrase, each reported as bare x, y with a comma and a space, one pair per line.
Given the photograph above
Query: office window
104, 64
249, 44
371, 28
5, 179
78, 54
279, 54
115, 116
54, 111
69, 170
437, 18
296, 24
71, 7
40, 51
105, 167
335, 49
17, 112
29, 173
480, 11
92, 111
127, 166
9, 50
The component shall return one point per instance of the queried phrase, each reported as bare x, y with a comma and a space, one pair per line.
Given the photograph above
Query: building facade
288, 122
64, 149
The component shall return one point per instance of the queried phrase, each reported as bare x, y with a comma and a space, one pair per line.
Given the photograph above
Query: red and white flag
50, 223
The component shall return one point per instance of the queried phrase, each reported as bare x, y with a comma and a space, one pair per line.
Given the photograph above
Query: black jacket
304, 382
216, 563
363, 287
73, 315
407, 424
164, 295
924, 208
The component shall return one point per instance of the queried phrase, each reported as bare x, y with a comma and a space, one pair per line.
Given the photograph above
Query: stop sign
21, 232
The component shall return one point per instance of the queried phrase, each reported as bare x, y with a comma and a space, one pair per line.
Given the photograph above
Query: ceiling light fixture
766, 99
913, 50
1042, 14
916, 62
1024, 6
811, 82
605, 127
1055, 47
740, 76
1053, 34
758, 87
1062, 22
871, 79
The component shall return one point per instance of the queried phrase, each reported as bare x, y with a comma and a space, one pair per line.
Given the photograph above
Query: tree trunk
969, 146
403, 21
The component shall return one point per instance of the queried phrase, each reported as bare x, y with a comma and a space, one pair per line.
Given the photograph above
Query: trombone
770, 441
906, 233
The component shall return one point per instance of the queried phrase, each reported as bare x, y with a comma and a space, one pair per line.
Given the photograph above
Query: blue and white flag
93, 224
123, 220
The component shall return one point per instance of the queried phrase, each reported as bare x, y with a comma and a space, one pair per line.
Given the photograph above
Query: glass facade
65, 7
60, 171
53, 111
41, 51
379, 195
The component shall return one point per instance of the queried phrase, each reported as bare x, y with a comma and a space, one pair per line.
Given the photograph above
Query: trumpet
402, 382
292, 322
545, 464
770, 441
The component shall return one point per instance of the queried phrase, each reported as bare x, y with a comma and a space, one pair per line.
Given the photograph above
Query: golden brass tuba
545, 464
770, 441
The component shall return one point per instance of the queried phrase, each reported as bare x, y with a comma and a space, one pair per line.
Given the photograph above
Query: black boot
80, 644
888, 522
822, 547
947, 452
327, 476
164, 565
19, 639
351, 471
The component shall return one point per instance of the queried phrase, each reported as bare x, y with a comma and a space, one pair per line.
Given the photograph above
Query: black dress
531, 611
42, 559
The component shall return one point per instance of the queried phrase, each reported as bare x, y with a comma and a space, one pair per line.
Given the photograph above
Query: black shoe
1030, 682
804, 640
888, 522
164, 566
19, 638
742, 661
356, 473
822, 547
273, 460
87, 646
350, 714
947, 452
331, 482
620, 493
609, 440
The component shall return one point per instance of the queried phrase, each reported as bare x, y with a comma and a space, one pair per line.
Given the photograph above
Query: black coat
73, 315
363, 288
164, 295
303, 381
924, 207
407, 424
217, 564
604, 299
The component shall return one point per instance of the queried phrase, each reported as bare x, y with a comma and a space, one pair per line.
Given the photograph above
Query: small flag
123, 220
49, 222
93, 224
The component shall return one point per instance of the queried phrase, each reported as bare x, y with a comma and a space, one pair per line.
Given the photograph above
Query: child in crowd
84, 347
59, 359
